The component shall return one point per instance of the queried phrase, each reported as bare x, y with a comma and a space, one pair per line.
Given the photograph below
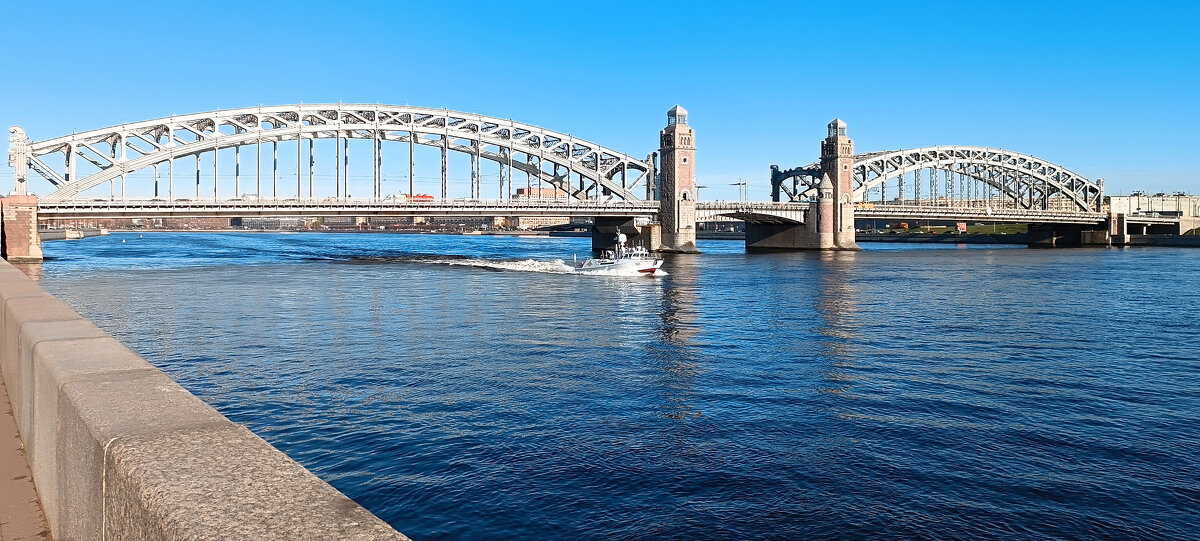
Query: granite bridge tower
677, 201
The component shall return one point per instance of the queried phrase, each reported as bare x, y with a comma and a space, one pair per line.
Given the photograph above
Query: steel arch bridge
985, 177
576, 168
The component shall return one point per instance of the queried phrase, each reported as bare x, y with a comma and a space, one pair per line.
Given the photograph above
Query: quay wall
946, 238
119, 451
68, 234
1188, 241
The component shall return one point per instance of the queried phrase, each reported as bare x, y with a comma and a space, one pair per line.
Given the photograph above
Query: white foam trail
556, 266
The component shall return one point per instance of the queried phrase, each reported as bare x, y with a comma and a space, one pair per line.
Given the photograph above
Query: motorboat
622, 259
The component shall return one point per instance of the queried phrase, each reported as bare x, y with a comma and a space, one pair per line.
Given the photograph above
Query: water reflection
673, 352
678, 313
837, 310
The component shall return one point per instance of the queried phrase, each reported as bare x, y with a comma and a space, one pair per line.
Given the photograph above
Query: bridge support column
816, 233
778, 237
605, 230
1053, 236
677, 202
837, 161
1067, 236
18, 229
1118, 228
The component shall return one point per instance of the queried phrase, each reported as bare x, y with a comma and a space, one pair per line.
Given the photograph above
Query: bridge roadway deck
976, 214
705, 210
196, 208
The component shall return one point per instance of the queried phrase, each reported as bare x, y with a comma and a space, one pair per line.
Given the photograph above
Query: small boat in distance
622, 260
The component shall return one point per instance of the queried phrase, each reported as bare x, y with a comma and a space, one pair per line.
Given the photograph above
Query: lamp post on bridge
741, 189
698, 188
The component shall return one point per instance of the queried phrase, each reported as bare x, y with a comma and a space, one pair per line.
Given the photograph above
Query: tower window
685, 159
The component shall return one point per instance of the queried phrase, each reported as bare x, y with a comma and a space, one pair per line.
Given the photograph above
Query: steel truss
1025, 181
581, 169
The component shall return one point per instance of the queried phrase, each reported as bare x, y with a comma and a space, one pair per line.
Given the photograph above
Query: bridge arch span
1020, 180
554, 157
751, 211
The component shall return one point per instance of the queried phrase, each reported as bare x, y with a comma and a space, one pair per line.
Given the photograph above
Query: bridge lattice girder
1024, 179
135, 146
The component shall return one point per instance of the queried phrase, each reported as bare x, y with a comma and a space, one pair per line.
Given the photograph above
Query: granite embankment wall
119, 451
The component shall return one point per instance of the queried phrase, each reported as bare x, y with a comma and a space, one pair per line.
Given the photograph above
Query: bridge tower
837, 162
18, 158
677, 202
19, 240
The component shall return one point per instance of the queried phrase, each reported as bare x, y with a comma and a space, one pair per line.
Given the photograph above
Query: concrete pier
829, 223
18, 227
119, 451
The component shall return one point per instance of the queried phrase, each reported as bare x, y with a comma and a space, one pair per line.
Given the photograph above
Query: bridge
107, 156
754, 211
238, 163
958, 177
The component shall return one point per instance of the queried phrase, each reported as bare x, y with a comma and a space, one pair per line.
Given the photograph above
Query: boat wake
556, 266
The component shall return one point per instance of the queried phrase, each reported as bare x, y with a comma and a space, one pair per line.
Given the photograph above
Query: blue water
465, 388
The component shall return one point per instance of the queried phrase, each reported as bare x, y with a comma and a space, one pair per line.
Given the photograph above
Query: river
471, 387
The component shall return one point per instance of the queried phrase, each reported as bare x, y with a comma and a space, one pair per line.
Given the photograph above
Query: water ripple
468, 387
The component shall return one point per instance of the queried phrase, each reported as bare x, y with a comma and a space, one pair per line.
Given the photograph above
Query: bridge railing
342, 202
868, 210
340, 206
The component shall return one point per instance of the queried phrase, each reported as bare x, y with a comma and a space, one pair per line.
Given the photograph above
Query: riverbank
1174, 241
70, 234
948, 238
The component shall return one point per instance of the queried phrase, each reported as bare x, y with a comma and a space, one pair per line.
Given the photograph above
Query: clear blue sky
1107, 90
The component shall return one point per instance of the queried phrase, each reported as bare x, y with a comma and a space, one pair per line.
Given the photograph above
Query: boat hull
646, 267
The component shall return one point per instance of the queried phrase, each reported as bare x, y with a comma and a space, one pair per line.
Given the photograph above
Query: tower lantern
837, 128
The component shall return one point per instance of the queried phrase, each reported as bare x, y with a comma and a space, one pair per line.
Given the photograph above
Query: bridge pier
605, 229
777, 237
816, 233
1068, 235
837, 161
829, 224
677, 202
18, 229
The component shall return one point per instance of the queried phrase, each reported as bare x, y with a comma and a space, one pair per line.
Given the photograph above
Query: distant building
464, 221
526, 194
534, 222
1140, 204
140, 223
284, 223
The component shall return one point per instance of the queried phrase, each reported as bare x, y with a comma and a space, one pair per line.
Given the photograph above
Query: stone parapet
119, 451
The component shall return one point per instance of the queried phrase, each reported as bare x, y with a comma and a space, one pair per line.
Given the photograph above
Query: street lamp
698, 188
741, 189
